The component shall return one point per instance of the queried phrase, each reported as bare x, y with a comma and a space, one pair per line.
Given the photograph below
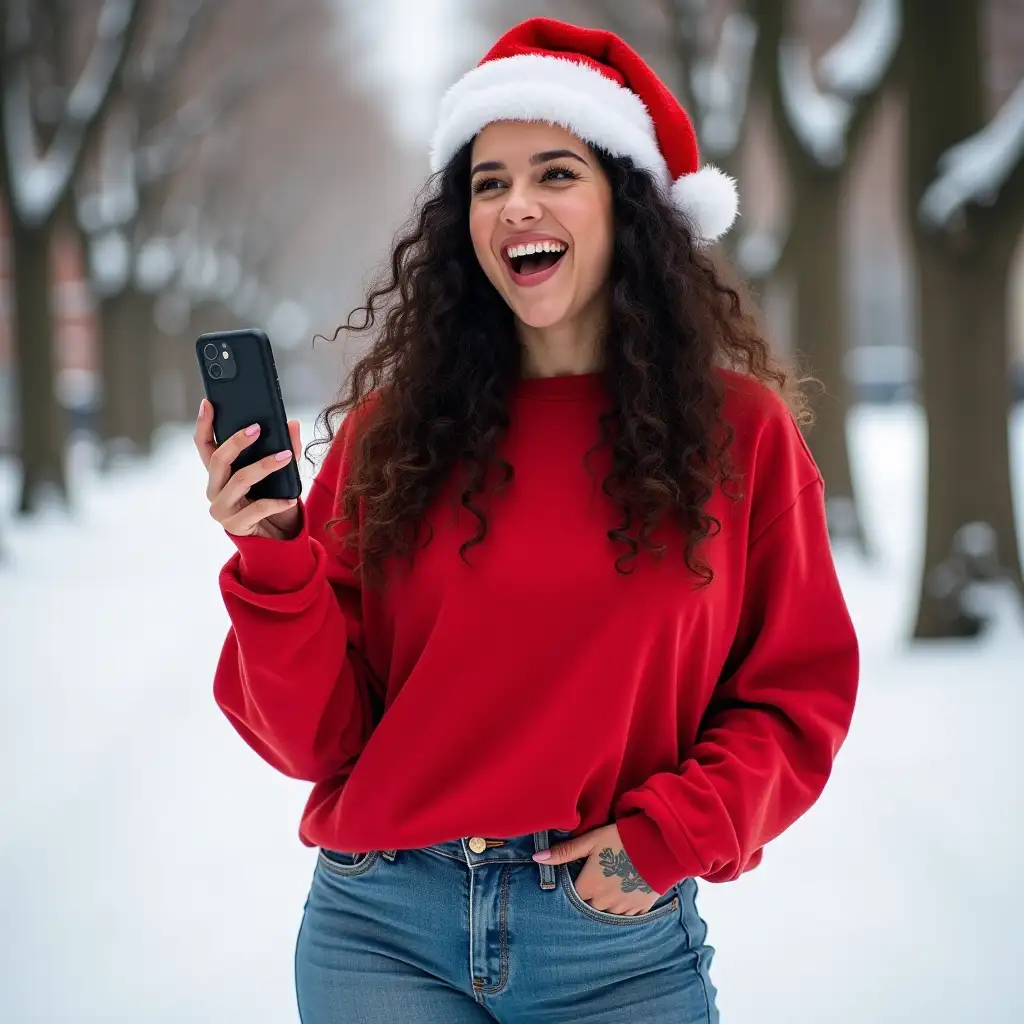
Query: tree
164, 107
34, 59
820, 114
965, 185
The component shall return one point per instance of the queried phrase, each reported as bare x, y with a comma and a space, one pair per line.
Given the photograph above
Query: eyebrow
537, 158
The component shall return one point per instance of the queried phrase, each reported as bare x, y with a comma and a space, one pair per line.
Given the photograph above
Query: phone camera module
211, 351
215, 370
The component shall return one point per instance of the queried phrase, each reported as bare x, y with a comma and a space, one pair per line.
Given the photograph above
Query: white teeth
530, 248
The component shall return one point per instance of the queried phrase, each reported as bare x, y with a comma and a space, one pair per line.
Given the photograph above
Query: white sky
409, 51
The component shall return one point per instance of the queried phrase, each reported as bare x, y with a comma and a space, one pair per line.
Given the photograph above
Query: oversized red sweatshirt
540, 688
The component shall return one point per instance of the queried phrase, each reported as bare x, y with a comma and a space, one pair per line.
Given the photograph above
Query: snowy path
148, 861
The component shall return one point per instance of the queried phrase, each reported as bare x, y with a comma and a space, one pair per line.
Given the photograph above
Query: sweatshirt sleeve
290, 677
779, 714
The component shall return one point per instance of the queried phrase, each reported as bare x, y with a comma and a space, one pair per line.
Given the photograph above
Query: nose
521, 207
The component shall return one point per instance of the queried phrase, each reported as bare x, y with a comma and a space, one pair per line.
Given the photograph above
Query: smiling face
540, 218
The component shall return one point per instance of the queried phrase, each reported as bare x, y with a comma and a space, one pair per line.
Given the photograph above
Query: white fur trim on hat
531, 87
709, 198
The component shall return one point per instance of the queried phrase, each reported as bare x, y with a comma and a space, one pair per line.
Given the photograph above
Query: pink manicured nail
283, 456
253, 430
542, 855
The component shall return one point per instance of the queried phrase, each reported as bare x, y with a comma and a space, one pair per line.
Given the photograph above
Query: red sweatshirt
539, 688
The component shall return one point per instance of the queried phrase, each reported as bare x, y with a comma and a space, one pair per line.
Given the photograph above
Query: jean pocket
339, 862
665, 905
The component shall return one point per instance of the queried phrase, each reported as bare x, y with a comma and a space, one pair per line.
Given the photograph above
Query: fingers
225, 455
570, 849
245, 522
203, 436
295, 433
234, 490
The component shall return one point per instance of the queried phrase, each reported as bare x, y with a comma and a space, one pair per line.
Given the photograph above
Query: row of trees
199, 149
196, 153
964, 197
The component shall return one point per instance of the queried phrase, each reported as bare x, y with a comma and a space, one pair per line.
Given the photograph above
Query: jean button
477, 844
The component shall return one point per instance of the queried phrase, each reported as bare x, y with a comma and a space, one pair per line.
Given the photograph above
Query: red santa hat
595, 86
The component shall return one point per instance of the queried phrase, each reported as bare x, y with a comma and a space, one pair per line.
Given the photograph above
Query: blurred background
170, 167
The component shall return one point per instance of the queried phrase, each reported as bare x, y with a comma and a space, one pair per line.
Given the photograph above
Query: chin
542, 315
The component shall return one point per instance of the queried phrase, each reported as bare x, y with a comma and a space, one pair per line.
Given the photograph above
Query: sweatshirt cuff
654, 861
270, 566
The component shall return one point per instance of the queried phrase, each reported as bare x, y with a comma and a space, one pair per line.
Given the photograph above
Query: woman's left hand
608, 881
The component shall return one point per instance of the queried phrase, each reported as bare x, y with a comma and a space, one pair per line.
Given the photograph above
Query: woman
556, 630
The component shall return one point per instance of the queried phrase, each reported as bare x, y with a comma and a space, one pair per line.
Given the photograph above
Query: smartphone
240, 380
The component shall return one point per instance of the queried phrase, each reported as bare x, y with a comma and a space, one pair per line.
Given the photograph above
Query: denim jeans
446, 935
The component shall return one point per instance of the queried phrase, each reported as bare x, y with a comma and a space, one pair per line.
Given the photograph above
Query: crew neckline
573, 387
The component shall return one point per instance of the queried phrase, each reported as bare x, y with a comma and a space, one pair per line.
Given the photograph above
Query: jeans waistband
478, 850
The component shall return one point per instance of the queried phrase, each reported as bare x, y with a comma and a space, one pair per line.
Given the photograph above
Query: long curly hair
445, 358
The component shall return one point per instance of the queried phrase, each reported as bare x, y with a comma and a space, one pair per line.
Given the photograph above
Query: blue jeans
443, 935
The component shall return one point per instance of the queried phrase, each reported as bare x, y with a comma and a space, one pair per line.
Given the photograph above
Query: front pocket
666, 904
347, 864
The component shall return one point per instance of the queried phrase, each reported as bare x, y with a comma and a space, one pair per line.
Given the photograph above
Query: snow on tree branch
819, 119
721, 85
856, 65
38, 184
975, 170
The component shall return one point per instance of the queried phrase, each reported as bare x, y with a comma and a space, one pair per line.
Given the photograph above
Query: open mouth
525, 264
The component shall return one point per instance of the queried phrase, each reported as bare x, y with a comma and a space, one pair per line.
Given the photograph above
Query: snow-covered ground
149, 867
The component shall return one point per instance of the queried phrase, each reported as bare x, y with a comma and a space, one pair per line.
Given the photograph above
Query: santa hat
595, 86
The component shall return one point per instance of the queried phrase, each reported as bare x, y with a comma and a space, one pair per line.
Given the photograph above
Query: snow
975, 170
819, 119
856, 65
150, 863
758, 252
37, 184
155, 264
721, 87
110, 261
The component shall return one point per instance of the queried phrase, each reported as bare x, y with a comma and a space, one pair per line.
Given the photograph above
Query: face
540, 218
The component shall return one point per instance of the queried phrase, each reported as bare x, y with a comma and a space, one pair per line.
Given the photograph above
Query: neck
567, 348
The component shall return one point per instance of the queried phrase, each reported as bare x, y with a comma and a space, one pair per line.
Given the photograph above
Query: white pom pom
709, 198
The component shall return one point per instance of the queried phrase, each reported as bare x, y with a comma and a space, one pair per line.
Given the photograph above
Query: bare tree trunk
962, 299
964, 329
42, 422
814, 262
820, 327
127, 412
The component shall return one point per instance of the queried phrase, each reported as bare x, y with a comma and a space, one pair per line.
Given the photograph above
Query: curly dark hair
443, 363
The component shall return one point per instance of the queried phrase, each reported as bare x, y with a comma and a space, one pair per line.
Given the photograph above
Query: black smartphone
241, 384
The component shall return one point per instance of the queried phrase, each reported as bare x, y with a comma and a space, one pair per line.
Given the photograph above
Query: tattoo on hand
620, 864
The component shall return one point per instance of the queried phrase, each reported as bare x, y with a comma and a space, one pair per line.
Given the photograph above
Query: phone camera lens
210, 351
215, 370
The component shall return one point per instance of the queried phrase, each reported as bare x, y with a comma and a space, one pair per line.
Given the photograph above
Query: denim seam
700, 966
349, 871
503, 944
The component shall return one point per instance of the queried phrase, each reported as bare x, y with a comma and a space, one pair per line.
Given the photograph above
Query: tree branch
975, 171
38, 185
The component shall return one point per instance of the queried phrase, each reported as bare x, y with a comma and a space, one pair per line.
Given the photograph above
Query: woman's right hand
277, 518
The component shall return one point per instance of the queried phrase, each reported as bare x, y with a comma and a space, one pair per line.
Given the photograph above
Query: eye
560, 174
486, 185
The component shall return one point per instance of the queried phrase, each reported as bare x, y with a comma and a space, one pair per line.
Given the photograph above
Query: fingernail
283, 456
202, 408
253, 430
542, 855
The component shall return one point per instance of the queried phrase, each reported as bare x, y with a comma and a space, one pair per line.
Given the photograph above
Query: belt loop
547, 871
389, 854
